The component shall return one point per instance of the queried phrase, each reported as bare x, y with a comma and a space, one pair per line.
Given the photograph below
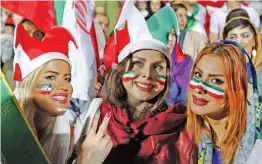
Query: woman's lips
145, 87
199, 101
60, 97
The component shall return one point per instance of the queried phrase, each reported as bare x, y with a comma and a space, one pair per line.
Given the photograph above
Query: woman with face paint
43, 74
142, 128
239, 29
223, 108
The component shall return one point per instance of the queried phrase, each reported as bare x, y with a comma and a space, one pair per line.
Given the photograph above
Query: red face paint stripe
126, 79
208, 92
161, 82
44, 92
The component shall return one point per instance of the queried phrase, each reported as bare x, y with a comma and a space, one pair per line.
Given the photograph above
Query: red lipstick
148, 86
60, 97
199, 101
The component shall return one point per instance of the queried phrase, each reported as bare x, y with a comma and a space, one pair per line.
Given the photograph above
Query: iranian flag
76, 16
78, 19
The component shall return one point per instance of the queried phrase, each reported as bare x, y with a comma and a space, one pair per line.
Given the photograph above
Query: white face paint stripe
129, 74
212, 90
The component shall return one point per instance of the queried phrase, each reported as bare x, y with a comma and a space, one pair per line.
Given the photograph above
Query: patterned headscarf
254, 113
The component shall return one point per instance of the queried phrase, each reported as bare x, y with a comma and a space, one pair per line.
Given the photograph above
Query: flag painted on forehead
127, 76
211, 90
161, 79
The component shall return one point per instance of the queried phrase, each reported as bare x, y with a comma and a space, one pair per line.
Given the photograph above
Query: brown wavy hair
114, 91
236, 99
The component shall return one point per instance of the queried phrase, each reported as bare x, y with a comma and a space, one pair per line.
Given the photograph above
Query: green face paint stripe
208, 85
162, 76
127, 72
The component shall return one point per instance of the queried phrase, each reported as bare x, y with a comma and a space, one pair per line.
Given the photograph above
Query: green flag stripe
59, 11
19, 143
208, 85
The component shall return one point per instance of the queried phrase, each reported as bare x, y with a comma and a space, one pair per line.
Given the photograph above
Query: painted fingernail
109, 114
98, 112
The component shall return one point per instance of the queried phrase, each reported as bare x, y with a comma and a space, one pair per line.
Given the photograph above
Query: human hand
97, 144
99, 80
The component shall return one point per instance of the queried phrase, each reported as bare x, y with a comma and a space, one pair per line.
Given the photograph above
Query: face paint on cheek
161, 80
127, 76
45, 89
211, 90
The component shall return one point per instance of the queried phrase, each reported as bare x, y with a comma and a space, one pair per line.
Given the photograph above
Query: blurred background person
192, 42
240, 29
32, 29
142, 7
104, 22
218, 18
153, 6
7, 55
9, 26
196, 14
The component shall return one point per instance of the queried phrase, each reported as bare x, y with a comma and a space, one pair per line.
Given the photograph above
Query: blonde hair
244, 21
25, 99
236, 99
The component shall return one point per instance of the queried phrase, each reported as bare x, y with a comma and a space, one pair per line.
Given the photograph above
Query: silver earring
254, 52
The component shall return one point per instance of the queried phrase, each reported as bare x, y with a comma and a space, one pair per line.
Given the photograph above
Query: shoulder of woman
179, 108
105, 106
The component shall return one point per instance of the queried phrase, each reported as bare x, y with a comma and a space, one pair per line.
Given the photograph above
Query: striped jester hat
31, 54
133, 33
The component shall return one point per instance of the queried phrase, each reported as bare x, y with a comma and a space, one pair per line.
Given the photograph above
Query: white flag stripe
83, 59
80, 19
79, 10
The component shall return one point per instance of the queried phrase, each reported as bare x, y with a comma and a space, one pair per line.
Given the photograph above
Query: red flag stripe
79, 18
82, 27
79, 10
83, 5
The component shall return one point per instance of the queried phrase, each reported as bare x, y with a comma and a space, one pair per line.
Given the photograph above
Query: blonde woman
42, 71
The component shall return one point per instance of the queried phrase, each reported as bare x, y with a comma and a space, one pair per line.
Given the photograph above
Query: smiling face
52, 89
147, 77
208, 86
243, 36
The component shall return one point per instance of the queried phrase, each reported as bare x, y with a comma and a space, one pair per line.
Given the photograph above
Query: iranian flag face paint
161, 79
45, 89
127, 76
213, 91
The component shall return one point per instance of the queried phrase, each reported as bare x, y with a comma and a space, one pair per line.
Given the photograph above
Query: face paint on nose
213, 91
127, 76
161, 79
45, 89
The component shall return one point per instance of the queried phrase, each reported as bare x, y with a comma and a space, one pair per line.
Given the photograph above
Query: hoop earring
254, 52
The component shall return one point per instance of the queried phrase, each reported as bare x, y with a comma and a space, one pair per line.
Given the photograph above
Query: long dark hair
244, 21
115, 93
